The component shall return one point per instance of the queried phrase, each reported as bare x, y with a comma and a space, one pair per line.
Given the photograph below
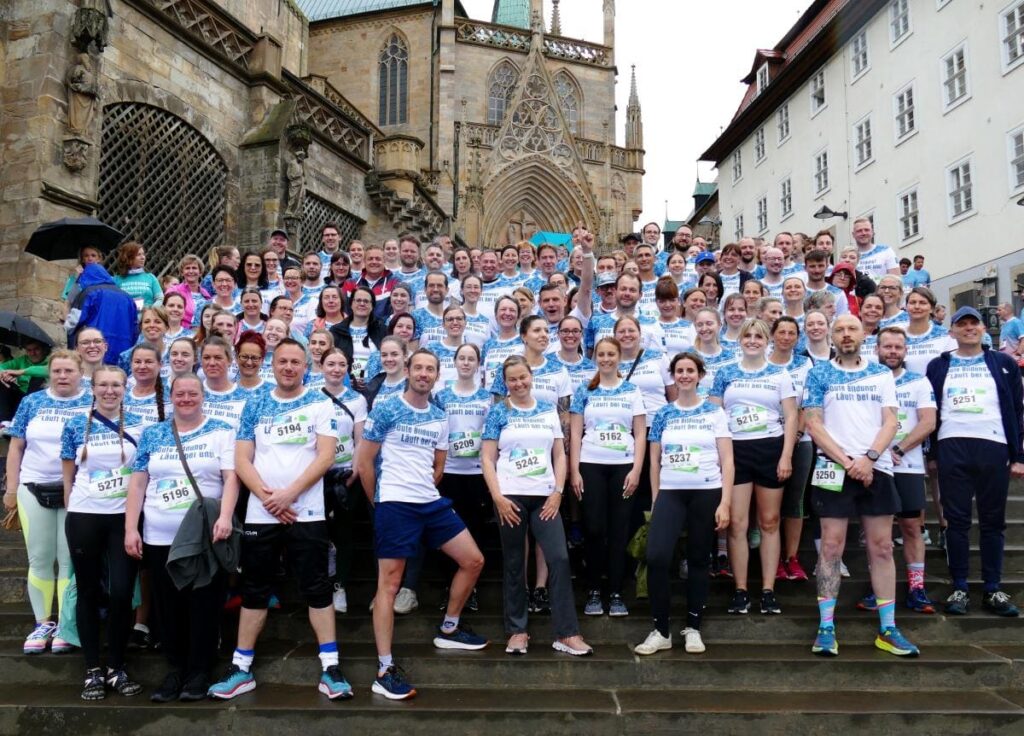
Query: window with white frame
954, 76
737, 227
737, 166
1015, 143
960, 189
1012, 22
762, 78
910, 221
859, 54
899, 20
762, 214
863, 152
817, 92
821, 182
785, 198
782, 123
903, 108
759, 144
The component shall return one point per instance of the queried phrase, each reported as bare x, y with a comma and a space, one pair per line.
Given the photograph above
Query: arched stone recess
538, 188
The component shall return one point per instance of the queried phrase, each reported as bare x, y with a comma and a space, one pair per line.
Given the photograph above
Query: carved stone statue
75, 154
83, 91
520, 227
295, 172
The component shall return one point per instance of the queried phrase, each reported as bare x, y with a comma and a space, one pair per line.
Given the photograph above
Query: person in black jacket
978, 438
360, 333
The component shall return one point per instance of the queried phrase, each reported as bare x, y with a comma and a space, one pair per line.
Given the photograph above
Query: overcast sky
689, 59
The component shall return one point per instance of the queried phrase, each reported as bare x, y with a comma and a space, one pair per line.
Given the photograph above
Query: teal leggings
47, 547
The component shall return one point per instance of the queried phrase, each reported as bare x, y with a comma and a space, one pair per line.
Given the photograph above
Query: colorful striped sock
915, 575
886, 614
827, 612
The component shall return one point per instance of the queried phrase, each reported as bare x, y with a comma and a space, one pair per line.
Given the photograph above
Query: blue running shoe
234, 683
918, 600
461, 638
333, 684
393, 685
868, 603
892, 641
825, 642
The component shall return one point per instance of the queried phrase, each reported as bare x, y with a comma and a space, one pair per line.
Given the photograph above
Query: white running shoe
843, 569
340, 599
654, 642
693, 644
406, 601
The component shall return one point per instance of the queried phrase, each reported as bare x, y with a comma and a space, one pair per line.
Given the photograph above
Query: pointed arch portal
535, 188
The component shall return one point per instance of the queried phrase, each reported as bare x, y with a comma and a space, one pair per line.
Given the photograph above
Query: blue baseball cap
966, 312
705, 257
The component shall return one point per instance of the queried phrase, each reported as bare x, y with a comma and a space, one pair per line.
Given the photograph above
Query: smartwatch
872, 455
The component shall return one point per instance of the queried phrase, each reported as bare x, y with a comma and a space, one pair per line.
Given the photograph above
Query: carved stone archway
537, 188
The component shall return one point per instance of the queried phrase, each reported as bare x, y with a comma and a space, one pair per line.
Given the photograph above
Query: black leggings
95, 541
606, 521
189, 618
675, 511
472, 502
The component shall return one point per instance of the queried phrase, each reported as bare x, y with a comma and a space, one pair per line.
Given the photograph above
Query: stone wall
346, 52
151, 57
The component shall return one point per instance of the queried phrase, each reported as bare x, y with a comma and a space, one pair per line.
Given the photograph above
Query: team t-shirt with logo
913, 392
101, 480
970, 403
851, 402
466, 414
209, 449
608, 422
689, 445
753, 399
408, 439
284, 432
525, 438
39, 421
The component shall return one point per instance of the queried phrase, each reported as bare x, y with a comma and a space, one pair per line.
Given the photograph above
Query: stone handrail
330, 121
517, 39
328, 90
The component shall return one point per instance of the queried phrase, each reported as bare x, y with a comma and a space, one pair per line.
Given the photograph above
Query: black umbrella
63, 239
15, 330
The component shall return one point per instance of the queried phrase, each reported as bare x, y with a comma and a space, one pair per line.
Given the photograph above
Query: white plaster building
910, 112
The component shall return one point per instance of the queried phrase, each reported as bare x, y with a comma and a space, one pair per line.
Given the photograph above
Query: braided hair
92, 410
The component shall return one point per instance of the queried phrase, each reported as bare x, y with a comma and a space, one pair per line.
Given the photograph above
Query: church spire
556, 19
609, 23
634, 120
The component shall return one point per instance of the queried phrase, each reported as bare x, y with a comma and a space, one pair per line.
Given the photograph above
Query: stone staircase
414, 214
758, 674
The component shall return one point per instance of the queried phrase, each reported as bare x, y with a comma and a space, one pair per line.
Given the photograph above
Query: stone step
731, 666
295, 709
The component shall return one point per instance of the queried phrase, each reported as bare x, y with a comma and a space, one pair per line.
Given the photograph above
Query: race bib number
465, 444
901, 426
343, 450
174, 494
289, 429
612, 436
109, 483
682, 458
828, 476
529, 463
745, 419
359, 367
966, 400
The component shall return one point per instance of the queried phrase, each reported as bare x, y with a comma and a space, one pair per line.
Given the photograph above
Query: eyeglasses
91, 343
888, 287
571, 333
249, 359
454, 319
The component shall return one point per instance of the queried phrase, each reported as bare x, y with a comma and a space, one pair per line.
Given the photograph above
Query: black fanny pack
49, 495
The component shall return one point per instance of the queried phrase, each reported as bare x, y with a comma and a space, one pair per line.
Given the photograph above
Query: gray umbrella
16, 330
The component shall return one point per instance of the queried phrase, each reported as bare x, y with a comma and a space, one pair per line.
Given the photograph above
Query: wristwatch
898, 450
871, 455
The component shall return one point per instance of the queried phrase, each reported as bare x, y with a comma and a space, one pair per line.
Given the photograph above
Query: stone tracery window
568, 94
161, 182
500, 88
393, 71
